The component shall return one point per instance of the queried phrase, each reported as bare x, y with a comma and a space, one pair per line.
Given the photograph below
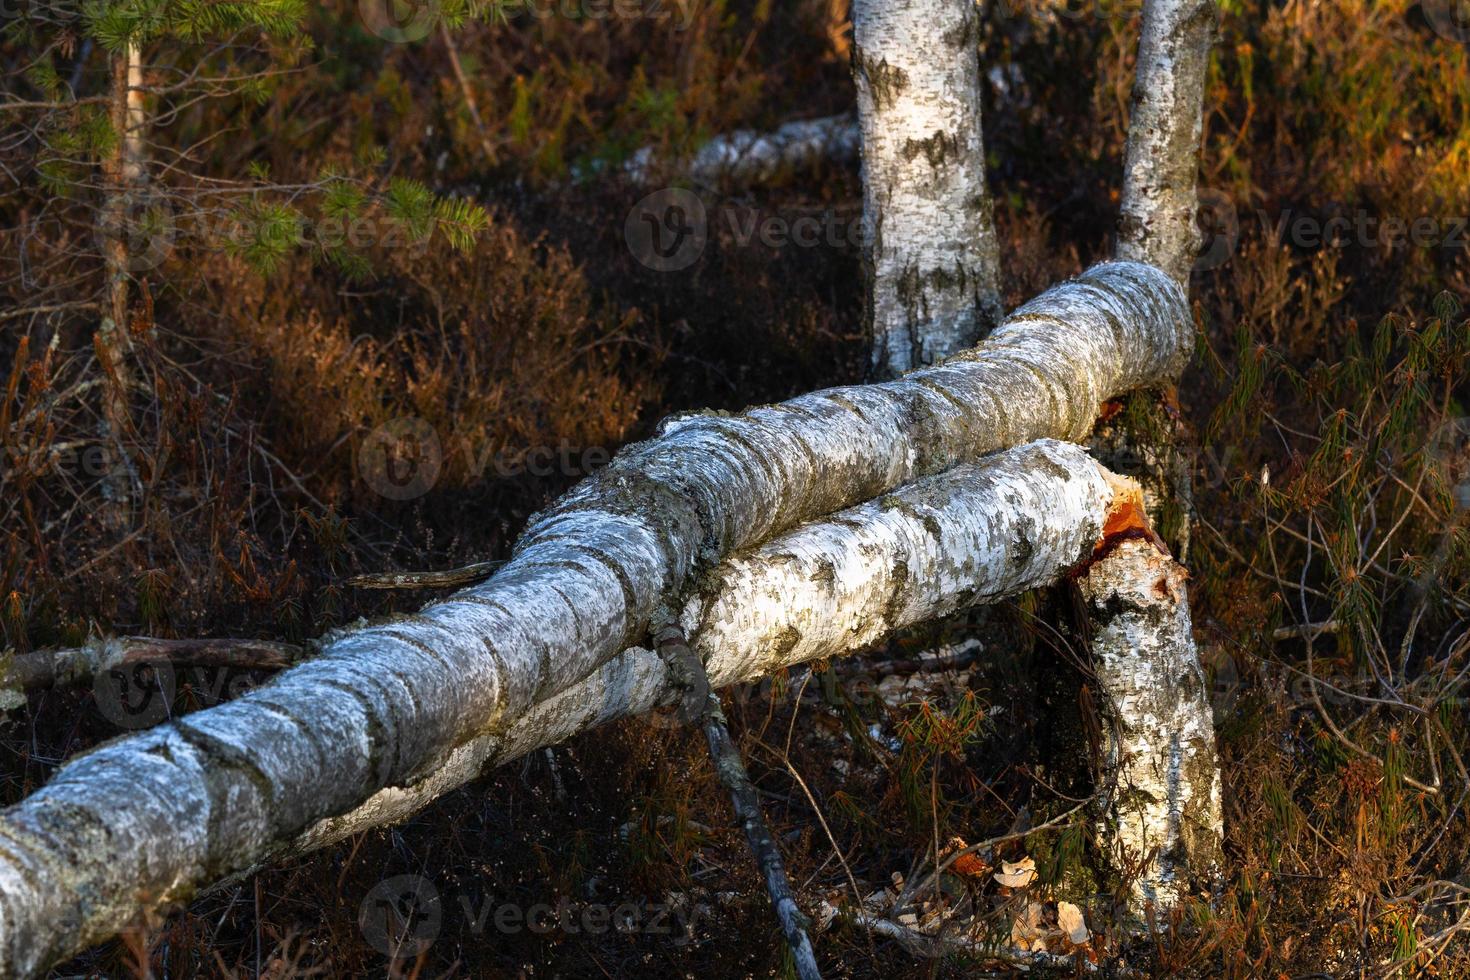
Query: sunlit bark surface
1162, 822
1156, 223
928, 228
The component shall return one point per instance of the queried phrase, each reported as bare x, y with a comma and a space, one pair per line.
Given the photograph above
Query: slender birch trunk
123, 174
388, 705
154, 818
1157, 223
928, 227
1163, 820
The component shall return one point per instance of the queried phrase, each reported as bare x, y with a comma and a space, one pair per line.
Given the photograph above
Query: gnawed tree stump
1162, 821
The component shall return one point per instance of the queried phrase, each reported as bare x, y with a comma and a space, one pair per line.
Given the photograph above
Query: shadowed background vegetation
1324, 415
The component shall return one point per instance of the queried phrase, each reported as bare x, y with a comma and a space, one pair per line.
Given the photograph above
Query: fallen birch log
152, 818
749, 156
976, 533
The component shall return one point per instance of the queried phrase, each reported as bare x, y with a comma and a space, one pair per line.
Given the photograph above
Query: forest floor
1325, 415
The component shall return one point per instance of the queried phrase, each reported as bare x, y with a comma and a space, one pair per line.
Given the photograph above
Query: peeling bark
1156, 224
749, 156
928, 226
153, 817
1163, 819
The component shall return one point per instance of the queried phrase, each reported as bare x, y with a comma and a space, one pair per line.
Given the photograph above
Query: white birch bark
112, 834
749, 156
1156, 223
928, 227
1163, 820
124, 173
152, 817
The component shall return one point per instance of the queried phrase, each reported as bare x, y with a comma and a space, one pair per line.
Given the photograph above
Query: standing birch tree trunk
123, 175
1157, 225
1163, 821
1160, 197
928, 224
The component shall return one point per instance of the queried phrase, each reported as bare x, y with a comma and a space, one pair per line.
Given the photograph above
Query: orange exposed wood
1125, 521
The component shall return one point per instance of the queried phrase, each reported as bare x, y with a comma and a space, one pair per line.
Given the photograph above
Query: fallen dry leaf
1029, 930
969, 865
1016, 874
1069, 919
